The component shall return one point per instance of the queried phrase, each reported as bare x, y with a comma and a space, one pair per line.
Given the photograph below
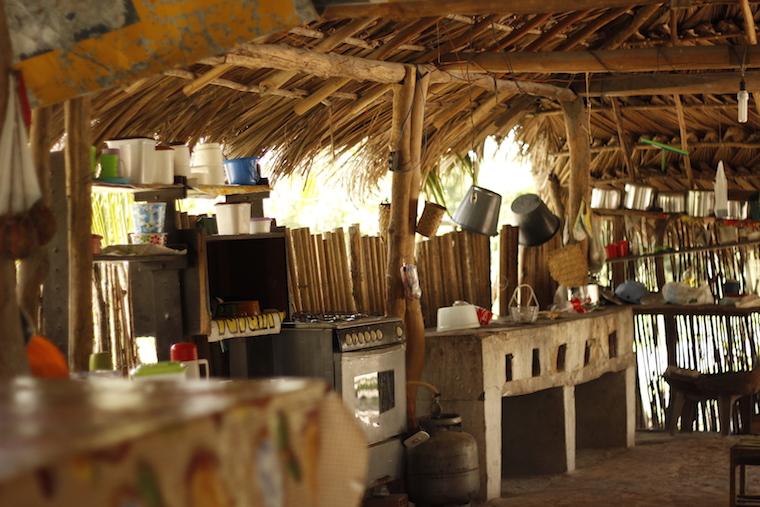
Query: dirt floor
686, 470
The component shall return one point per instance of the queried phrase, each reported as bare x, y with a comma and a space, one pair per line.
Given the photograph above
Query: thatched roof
251, 108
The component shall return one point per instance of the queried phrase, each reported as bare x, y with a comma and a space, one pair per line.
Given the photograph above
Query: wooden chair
743, 454
689, 387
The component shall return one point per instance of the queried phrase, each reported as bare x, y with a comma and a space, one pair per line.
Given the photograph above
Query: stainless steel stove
363, 359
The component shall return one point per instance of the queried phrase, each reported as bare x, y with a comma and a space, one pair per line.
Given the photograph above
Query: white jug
138, 156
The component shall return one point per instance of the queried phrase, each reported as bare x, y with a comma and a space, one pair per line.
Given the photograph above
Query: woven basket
431, 218
569, 266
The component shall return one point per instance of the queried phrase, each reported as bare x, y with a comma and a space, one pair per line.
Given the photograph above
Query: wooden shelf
177, 261
684, 251
668, 309
228, 190
236, 237
622, 212
145, 193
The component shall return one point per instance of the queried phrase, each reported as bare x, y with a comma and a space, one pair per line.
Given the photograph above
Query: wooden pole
12, 353
579, 144
625, 146
33, 270
684, 140
78, 188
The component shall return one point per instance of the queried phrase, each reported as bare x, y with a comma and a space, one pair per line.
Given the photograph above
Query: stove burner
328, 317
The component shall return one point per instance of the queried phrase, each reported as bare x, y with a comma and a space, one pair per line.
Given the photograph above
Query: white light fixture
743, 102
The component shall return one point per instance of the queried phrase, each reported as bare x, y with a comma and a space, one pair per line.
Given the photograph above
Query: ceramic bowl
151, 238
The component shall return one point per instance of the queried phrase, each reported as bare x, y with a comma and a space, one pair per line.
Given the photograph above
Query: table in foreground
165, 444
530, 394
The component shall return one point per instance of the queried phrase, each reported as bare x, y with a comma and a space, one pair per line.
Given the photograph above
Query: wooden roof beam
623, 141
750, 30
205, 78
399, 9
684, 139
591, 28
642, 16
657, 59
667, 84
323, 46
706, 145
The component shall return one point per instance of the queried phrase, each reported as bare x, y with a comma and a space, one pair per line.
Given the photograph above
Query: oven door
373, 387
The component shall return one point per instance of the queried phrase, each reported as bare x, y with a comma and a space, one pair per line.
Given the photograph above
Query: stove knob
379, 334
374, 335
399, 331
349, 339
365, 337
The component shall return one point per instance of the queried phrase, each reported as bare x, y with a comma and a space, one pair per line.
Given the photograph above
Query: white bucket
260, 225
164, 167
138, 157
233, 218
208, 154
181, 160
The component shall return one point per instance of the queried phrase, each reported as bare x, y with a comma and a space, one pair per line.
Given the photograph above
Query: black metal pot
537, 224
479, 211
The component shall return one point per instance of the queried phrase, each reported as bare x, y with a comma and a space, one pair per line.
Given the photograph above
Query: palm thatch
251, 110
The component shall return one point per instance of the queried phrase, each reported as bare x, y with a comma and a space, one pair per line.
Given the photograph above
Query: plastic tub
459, 316
260, 225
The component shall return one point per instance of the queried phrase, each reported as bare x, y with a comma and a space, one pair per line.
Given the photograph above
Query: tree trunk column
78, 188
406, 140
578, 142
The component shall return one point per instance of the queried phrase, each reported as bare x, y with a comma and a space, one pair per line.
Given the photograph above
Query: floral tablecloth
112, 442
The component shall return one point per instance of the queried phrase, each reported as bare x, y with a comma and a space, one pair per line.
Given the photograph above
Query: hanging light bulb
743, 99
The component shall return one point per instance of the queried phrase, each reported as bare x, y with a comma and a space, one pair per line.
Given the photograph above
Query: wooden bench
689, 387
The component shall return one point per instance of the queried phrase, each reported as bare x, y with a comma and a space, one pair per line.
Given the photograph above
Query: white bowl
457, 317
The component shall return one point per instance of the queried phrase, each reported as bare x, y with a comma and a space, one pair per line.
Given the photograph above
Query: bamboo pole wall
454, 266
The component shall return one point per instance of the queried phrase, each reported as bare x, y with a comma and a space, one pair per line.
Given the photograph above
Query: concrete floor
686, 470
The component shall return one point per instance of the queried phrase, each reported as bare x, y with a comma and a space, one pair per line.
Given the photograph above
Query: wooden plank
750, 29
656, 59
295, 294
684, 140
78, 185
642, 16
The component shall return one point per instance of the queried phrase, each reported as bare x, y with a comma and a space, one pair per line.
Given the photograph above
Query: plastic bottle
721, 192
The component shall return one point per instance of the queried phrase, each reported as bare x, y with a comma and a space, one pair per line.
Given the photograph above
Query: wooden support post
78, 188
579, 144
12, 355
33, 270
684, 140
406, 139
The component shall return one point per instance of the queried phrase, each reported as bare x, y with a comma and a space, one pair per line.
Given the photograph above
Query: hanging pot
537, 224
479, 211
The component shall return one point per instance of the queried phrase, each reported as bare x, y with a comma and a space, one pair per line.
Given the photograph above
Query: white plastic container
461, 315
721, 192
164, 167
208, 154
138, 156
233, 218
260, 225
181, 160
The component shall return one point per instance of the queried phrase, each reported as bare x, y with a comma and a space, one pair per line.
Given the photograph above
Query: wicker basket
569, 266
430, 219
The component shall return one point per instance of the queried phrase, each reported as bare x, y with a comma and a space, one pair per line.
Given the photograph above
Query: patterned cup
149, 217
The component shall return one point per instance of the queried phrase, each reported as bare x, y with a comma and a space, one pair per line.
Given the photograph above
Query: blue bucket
242, 171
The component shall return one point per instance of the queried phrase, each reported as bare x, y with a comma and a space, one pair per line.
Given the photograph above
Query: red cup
183, 351
611, 250
484, 315
623, 250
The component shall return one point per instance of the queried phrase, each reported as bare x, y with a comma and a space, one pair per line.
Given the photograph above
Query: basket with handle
569, 266
523, 312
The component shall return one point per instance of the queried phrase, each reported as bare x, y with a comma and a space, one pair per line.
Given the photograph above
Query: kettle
479, 211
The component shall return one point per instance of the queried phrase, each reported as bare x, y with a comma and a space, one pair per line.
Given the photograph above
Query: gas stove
350, 332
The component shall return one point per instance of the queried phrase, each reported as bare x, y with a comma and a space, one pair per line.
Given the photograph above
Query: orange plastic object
45, 359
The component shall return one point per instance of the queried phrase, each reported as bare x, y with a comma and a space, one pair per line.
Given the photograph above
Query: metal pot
737, 210
479, 211
605, 198
672, 202
537, 224
444, 469
638, 196
700, 203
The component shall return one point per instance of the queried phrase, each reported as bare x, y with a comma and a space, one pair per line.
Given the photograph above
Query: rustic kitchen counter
531, 393
115, 442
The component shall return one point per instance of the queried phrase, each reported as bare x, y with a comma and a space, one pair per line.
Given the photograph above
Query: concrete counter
531, 393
